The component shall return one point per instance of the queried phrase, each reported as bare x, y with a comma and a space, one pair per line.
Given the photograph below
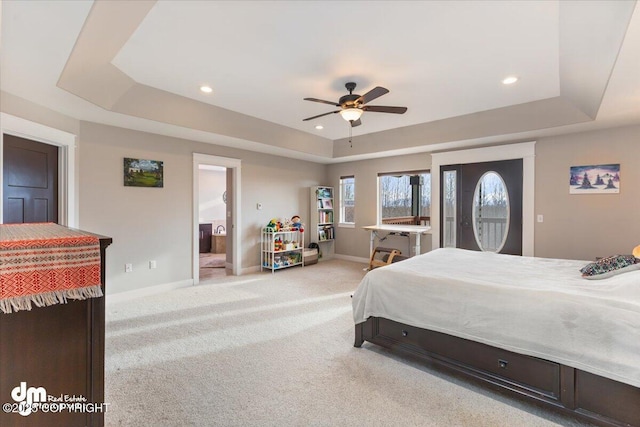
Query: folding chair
387, 255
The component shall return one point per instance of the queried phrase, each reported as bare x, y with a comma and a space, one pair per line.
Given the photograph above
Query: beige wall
574, 227
156, 224
144, 228
28, 110
587, 226
355, 241
213, 209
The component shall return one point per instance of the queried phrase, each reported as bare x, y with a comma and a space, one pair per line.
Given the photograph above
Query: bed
533, 326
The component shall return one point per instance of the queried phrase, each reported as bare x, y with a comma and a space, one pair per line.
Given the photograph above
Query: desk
416, 230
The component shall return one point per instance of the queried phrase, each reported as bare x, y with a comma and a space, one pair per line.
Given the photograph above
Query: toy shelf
281, 249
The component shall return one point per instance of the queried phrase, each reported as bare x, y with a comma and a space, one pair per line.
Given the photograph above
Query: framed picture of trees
143, 173
594, 179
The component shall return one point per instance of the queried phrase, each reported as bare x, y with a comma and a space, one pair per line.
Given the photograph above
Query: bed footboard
587, 396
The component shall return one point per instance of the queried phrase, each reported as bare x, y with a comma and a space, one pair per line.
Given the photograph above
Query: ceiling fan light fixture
351, 114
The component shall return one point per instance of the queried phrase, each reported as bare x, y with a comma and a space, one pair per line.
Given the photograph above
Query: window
405, 197
347, 199
449, 208
491, 212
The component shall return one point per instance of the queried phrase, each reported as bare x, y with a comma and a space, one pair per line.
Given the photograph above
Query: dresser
60, 348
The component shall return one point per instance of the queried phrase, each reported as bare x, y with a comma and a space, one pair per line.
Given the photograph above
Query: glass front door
482, 206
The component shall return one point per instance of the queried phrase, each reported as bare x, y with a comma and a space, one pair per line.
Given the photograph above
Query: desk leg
418, 237
371, 241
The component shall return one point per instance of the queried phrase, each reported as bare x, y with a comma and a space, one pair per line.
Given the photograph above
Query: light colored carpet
277, 350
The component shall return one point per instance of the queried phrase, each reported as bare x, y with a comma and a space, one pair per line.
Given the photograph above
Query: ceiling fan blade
355, 123
384, 109
371, 95
320, 115
322, 100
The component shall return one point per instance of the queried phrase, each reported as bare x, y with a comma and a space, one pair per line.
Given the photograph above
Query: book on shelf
325, 204
324, 193
325, 233
325, 217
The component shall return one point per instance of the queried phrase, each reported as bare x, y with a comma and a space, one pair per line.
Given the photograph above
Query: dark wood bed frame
590, 397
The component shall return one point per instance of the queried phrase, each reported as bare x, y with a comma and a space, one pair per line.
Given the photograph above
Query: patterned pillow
610, 266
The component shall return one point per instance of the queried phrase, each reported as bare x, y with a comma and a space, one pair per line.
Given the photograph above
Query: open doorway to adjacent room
212, 213
216, 186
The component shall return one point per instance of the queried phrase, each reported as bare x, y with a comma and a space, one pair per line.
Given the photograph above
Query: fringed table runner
46, 264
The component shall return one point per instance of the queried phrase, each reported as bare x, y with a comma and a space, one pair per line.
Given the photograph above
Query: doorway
482, 206
216, 213
212, 212
29, 181
522, 150
65, 160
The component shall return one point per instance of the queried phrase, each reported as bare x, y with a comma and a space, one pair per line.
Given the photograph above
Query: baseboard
352, 258
256, 268
249, 270
145, 292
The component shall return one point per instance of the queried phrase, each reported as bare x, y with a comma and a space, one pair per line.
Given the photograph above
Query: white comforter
535, 306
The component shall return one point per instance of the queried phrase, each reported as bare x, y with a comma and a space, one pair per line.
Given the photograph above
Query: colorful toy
296, 223
273, 224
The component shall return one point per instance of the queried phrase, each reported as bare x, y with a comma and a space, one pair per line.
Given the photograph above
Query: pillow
610, 266
613, 272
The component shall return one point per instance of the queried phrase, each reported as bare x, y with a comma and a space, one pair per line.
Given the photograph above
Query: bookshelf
322, 214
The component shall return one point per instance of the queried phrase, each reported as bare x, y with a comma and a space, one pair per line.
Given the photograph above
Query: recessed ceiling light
319, 127
510, 80
206, 89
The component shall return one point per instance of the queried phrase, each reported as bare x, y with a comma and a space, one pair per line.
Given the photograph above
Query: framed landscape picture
594, 179
143, 173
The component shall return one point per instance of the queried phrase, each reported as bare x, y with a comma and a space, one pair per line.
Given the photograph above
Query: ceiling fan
352, 105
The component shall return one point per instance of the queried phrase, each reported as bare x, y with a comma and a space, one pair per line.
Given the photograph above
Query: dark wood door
30, 181
510, 171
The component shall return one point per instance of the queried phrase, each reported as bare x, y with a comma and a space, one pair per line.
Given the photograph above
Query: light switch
540, 218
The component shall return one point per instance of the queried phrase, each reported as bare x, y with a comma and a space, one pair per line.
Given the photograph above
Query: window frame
341, 216
408, 173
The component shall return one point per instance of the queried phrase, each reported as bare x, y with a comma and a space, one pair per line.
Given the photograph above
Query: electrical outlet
540, 218
152, 264
128, 268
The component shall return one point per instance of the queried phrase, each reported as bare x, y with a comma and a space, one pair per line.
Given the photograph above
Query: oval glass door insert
491, 212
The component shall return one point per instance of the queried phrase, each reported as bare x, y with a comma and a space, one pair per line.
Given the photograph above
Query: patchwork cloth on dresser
46, 264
